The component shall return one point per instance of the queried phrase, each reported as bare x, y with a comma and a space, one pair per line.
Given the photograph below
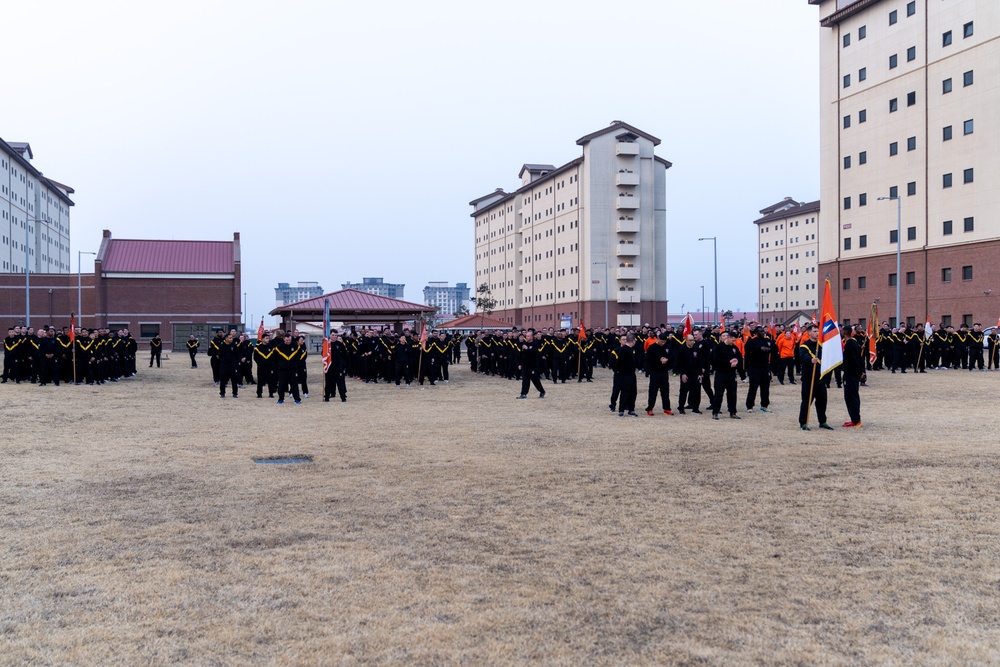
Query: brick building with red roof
170, 288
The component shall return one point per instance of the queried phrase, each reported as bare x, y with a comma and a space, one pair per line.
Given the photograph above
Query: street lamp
79, 285
899, 250
715, 261
605, 292
703, 303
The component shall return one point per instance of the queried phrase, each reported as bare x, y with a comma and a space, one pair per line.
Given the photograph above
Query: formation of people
50, 356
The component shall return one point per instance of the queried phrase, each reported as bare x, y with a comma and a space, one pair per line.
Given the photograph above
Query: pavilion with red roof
352, 306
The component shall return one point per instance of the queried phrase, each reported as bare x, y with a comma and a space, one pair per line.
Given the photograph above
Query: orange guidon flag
583, 331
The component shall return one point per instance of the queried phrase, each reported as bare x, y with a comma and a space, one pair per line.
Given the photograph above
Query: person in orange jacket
786, 357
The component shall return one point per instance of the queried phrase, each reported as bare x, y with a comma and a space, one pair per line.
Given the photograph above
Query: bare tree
485, 303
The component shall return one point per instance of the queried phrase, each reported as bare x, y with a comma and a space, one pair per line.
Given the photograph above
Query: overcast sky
345, 140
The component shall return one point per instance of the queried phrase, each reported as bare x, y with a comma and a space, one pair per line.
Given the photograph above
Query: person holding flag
819, 355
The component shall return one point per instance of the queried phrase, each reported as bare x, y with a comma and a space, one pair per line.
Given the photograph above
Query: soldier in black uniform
726, 360
10, 352
529, 366
401, 359
263, 352
690, 366
854, 375
810, 355
975, 340
336, 374
155, 347
706, 347
658, 366
192, 346
48, 352
625, 361
759, 352
213, 354
228, 355
285, 363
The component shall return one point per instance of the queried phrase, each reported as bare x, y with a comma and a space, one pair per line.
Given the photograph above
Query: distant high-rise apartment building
787, 247
34, 215
586, 239
377, 286
910, 116
285, 294
446, 299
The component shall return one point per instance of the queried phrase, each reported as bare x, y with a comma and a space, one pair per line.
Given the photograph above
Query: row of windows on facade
574, 224
792, 288
968, 225
51, 223
968, 79
794, 223
911, 55
767, 260
548, 296
538, 195
791, 304
968, 29
791, 272
968, 176
910, 277
781, 242
947, 132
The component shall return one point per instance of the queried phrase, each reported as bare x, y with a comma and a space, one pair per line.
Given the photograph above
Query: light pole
899, 251
703, 303
715, 261
605, 292
79, 285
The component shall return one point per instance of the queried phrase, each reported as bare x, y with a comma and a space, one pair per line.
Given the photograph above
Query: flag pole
812, 384
73, 332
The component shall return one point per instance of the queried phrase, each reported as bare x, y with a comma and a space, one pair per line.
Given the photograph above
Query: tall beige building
586, 239
910, 108
787, 246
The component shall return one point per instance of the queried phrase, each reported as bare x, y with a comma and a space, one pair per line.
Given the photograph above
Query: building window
946, 228
892, 17
911, 144
911, 188
892, 280
847, 162
893, 105
911, 8
911, 277
946, 86
911, 233
863, 241
967, 78
862, 115
847, 243
862, 282
893, 236
968, 176
847, 203
969, 224
911, 98
862, 74
847, 81
863, 199
863, 157
968, 127
946, 275
911, 54
967, 30
847, 40
893, 191
893, 148
946, 39
966, 273
847, 121
946, 181
893, 61
946, 133
862, 32
847, 284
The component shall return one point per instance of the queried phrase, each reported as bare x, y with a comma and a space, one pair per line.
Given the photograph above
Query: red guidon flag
688, 325
583, 332
260, 329
72, 329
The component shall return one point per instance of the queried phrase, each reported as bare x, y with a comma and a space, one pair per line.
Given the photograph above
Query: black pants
288, 377
193, 353
725, 383
154, 356
659, 383
227, 375
852, 397
335, 381
214, 361
48, 371
529, 376
690, 395
264, 377
706, 385
403, 372
786, 364
303, 379
627, 391
976, 357
819, 395
760, 378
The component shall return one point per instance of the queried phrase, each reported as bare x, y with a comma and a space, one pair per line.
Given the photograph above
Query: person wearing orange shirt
786, 357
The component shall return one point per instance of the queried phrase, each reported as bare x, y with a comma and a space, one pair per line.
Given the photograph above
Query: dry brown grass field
457, 525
